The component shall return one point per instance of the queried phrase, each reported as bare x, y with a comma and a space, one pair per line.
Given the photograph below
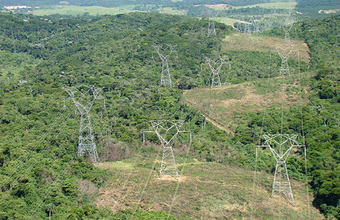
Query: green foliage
39, 139
38, 166
320, 118
313, 6
321, 35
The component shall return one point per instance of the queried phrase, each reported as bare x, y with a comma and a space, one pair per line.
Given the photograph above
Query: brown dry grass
219, 105
114, 165
248, 101
254, 42
171, 178
206, 191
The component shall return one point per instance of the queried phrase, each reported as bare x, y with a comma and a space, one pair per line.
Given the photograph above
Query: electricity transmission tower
286, 50
167, 51
167, 131
211, 28
287, 34
83, 97
211, 25
280, 145
247, 29
284, 54
215, 80
288, 24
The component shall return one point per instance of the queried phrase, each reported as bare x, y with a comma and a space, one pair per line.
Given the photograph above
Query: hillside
306, 100
42, 176
225, 104
238, 41
204, 191
320, 6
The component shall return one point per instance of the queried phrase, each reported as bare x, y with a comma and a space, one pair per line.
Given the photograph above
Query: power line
24, 159
178, 181
36, 161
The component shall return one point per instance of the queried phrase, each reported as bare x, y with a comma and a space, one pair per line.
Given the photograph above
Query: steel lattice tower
211, 28
215, 80
165, 76
164, 129
280, 145
83, 97
288, 26
285, 52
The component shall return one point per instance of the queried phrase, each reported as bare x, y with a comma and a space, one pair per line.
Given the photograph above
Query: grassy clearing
205, 191
221, 104
80, 10
256, 42
96, 10
227, 21
115, 166
281, 5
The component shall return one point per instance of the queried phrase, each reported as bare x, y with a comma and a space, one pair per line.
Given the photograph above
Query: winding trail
210, 119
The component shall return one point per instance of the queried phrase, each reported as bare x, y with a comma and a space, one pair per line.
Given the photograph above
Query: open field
280, 5
256, 42
96, 10
227, 21
203, 191
80, 10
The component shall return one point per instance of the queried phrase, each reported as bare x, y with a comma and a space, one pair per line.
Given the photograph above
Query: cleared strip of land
222, 104
255, 42
280, 5
206, 191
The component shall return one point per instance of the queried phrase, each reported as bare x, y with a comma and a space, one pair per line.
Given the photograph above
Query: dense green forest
39, 167
325, 4
313, 7
39, 170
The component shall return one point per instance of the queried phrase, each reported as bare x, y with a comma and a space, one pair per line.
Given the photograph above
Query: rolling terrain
222, 175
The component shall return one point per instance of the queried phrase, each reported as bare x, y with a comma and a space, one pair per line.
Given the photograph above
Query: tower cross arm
69, 91
79, 106
164, 58
172, 47
217, 70
285, 54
